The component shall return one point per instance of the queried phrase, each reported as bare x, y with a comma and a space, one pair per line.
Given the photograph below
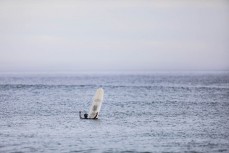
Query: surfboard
96, 103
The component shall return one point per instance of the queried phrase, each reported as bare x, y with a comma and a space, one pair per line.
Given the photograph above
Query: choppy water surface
158, 112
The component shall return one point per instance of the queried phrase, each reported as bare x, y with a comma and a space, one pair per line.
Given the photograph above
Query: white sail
96, 104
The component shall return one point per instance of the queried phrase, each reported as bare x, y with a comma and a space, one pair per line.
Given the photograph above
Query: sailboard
96, 103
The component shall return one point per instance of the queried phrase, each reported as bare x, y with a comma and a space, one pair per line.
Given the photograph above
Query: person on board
86, 116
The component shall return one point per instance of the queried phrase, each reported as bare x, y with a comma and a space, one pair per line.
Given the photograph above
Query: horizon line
109, 71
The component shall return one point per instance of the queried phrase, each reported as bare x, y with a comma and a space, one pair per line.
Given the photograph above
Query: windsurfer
86, 116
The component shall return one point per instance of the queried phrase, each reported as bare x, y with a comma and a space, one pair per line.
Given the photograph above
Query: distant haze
132, 35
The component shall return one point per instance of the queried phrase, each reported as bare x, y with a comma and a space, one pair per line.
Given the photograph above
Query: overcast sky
105, 35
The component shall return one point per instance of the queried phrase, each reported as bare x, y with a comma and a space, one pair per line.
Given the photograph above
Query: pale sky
113, 35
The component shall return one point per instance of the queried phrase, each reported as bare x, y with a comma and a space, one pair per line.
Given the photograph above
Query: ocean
142, 112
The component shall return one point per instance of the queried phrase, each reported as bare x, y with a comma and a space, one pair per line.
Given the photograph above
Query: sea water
141, 112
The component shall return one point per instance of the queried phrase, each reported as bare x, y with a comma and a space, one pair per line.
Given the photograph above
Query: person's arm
80, 114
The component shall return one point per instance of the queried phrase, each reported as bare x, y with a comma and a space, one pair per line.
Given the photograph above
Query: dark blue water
155, 112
